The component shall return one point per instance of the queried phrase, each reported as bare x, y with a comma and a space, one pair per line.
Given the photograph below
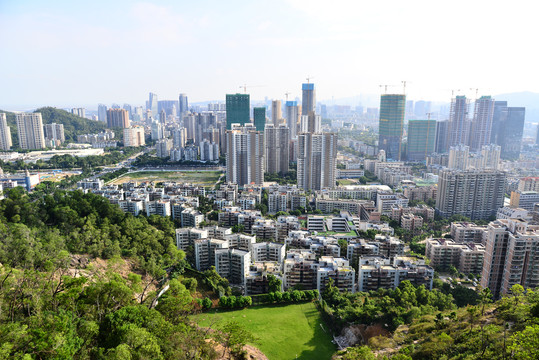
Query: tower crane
476, 92
309, 78
286, 94
244, 87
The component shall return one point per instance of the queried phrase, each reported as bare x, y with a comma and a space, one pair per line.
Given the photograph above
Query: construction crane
244, 87
286, 94
309, 78
453, 92
476, 92
385, 88
403, 87
428, 115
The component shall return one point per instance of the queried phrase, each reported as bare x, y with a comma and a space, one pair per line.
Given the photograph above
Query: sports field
283, 331
204, 178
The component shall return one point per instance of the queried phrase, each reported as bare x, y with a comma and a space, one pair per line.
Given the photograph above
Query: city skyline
344, 48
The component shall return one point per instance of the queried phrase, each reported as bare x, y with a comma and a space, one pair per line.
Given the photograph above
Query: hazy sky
67, 53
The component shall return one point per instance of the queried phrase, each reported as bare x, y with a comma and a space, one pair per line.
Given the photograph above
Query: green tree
235, 337
525, 344
274, 284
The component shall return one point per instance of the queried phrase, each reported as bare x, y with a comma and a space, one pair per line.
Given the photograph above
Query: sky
80, 53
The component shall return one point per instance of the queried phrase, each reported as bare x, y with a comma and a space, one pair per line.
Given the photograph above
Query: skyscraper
276, 112
5, 133
391, 124
442, 133
276, 139
459, 125
102, 112
183, 105
292, 117
510, 132
476, 194
259, 117
498, 117
152, 104
245, 155
30, 128
421, 139
163, 117
317, 155
481, 123
308, 101
117, 118
237, 110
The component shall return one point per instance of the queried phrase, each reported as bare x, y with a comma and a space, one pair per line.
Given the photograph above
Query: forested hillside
50, 309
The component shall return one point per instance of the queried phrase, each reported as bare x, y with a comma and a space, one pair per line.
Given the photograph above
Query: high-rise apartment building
102, 112
421, 139
259, 118
458, 157
459, 124
292, 117
277, 148
490, 156
54, 132
511, 256
183, 106
245, 155
5, 133
117, 118
179, 137
481, 123
30, 128
391, 124
81, 112
237, 110
134, 136
476, 194
311, 123
276, 112
317, 154
308, 101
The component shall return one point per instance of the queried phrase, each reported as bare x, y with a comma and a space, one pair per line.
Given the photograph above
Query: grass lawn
204, 178
283, 331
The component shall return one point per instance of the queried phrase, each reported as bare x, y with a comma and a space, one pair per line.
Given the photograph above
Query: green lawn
283, 331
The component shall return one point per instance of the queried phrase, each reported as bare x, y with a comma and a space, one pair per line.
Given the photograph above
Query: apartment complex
511, 256
476, 194
245, 163
5, 133
30, 131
